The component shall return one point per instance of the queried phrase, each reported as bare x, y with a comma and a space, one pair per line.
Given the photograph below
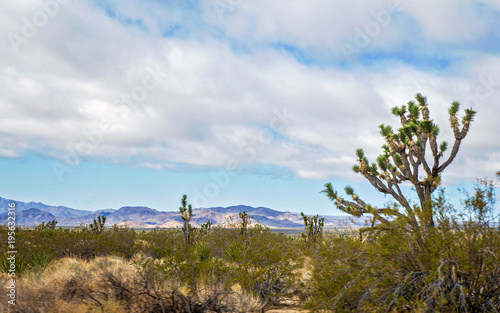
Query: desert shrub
455, 272
261, 264
110, 284
26, 261
222, 270
86, 244
36, 248
269, 268
339, 265
32, 252
455, 268
193, 281
159, 243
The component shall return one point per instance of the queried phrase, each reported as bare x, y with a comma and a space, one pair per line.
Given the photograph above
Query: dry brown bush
111, 284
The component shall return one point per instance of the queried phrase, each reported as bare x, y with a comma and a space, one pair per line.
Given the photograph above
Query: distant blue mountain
33, 213
30, 217
59, 211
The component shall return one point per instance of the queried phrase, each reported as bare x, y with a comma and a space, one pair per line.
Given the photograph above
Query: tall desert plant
97, 226
313, 228
186, 213
406, 158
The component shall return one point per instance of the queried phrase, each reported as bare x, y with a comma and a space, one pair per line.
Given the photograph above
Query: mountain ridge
145, 217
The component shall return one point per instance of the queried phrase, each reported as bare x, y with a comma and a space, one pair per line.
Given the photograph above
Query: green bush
263, 263
36, 248
455, 268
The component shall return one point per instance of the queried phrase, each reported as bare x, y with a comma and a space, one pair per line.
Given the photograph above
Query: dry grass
71, 285
111, 284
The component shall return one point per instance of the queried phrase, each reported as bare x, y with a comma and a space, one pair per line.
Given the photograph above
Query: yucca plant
97, 226
206, 227
244, 222
186, 213
313, 228
406, 158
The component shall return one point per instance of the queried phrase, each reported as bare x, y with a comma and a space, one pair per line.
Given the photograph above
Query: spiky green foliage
244, 223
49, 225
385, 131
313, 228
355, 168
349, 190
414, 111
426, 126
360, 153
406, 158
97, 226
398, 161
455, 106
186, 211
443, 146
469, 116
206, 227
330, 192
435, 130
422, 101
382, 162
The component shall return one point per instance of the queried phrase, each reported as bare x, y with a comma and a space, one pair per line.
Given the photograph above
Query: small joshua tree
50, 225
97, 227
313, 229
186, 213
411, 154
206, 227
244, 223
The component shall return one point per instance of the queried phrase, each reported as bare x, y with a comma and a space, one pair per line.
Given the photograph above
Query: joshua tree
244, 223
313, 229
50, 225
206, 227
97, 227
186, 213
404, 159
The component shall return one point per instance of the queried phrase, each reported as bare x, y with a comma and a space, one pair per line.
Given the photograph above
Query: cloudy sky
111, 103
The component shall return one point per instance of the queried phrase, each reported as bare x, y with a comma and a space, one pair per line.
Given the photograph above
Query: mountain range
33, 213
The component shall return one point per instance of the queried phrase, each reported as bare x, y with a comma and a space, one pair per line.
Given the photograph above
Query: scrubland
455, 268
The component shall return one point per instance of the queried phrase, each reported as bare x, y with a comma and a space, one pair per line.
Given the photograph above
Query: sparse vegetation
122, 270
157, 272
455, 269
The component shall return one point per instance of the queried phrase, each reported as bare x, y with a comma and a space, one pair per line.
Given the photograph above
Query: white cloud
215, 104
